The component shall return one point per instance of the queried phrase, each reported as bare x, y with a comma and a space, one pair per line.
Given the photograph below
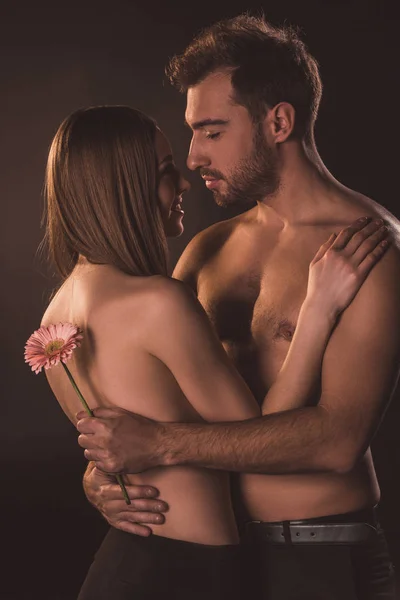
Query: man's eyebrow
205, 123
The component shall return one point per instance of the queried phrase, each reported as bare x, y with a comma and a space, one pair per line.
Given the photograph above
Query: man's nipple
285, 330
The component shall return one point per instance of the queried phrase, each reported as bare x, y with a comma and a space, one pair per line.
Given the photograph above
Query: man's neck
306, 188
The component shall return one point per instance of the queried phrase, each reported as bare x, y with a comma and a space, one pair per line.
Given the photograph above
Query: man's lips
211, 182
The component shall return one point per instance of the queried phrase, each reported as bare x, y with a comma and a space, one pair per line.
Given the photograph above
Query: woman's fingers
351, 238
324, 248
134, 528
372, 258
369, 244
148, 518
116, 506
359, 237
135, 519
346, 234
109, 498
147, 505
355, 241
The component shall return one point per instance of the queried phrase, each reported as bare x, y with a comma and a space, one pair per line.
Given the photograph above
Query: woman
113, 194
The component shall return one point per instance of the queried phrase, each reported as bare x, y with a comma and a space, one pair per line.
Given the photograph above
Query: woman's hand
342, 264
105, 494
336, 274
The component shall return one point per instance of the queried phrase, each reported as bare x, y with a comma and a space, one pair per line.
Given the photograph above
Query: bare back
113, 369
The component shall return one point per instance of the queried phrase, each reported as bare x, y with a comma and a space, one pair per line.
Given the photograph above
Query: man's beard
255, 177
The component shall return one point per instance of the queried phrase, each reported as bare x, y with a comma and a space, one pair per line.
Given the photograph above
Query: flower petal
67, 337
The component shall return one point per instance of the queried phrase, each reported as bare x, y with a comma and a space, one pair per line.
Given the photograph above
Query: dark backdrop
58, 57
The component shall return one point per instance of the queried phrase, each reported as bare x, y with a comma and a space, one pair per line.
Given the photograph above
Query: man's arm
359, 374
330, 436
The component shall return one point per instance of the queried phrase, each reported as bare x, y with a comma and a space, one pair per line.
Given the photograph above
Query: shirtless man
252, 100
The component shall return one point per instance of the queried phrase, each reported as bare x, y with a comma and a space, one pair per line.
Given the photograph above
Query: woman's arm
183, 339
146, 508
335, 276
179, 334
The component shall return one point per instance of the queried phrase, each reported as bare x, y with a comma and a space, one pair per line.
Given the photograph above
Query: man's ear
279, 122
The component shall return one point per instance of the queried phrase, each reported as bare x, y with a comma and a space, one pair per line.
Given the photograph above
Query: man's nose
196, 158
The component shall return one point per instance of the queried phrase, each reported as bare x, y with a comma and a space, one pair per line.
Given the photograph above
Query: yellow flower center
54, 346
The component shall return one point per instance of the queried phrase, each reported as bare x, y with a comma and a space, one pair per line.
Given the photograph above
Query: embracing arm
248, 446
359, 373
145, 509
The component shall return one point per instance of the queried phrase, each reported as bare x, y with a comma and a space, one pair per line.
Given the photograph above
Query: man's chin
229, 202
221, 200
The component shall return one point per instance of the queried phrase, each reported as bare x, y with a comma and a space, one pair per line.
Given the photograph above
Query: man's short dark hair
269, 65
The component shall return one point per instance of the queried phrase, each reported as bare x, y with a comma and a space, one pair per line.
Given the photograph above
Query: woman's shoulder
144, 313
147, 298
165, 296
168, 288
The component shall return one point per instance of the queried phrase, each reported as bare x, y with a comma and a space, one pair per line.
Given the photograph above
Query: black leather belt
351, 528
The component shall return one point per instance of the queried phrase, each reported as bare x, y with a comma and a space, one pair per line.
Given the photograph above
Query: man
308, 483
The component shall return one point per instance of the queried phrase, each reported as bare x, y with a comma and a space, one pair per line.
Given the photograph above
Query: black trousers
317, 571
128, 567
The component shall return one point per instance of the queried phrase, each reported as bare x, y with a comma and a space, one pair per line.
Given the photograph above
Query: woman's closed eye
171, 171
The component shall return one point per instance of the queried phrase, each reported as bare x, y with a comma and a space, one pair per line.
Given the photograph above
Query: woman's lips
178, 208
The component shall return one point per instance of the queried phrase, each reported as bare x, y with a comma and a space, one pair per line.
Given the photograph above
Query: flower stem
81, 398
118, 477
90, 413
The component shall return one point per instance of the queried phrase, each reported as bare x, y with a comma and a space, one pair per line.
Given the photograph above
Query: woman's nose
184, 185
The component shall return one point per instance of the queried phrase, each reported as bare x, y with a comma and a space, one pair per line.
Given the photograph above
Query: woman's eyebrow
168, 158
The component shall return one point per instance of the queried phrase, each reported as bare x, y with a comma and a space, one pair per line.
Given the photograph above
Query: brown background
58, 57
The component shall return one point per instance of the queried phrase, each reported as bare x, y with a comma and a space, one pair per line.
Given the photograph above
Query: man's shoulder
357, 205
209, 241
369, 207
353, 205
375, 209
383, 282
203, 248
384, 279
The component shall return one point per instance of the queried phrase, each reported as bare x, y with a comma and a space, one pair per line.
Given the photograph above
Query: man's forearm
295, 441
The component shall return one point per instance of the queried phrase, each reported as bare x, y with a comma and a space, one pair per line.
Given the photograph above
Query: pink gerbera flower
48, 346
54, 344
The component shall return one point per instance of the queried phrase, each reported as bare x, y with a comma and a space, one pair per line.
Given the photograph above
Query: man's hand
119, 441
105, 495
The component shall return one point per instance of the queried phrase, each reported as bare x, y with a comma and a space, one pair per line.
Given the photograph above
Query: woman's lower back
111, 369
199, 504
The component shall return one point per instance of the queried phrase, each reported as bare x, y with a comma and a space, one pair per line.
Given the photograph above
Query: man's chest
253, 301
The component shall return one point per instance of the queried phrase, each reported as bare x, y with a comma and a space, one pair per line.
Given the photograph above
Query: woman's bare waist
199, 500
